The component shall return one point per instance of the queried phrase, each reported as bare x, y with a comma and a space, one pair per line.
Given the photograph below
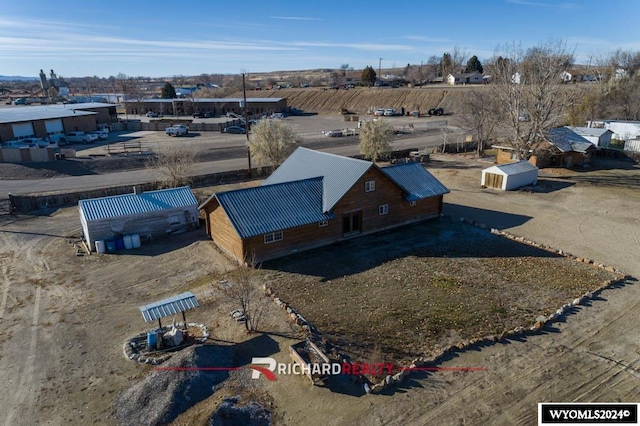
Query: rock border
131, 351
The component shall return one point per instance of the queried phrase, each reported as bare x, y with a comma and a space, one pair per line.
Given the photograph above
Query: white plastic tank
135, 240
128, 242
100, 247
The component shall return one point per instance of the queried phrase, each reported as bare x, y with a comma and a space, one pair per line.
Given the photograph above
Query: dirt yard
64, 318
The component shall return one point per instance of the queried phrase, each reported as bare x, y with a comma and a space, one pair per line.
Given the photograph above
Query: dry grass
407, 292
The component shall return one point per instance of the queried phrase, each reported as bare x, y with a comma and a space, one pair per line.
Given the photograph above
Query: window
272, 237
323, 223
369, 186
383, 209
412, 203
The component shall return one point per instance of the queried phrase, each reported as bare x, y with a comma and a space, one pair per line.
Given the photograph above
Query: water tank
100, 247
135, 240
111, 246
119, 243
128, 243
152, 339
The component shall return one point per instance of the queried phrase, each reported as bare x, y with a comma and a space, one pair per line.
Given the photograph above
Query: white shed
148, 214
510, 176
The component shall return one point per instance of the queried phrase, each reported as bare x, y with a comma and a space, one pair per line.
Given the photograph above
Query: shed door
493, 180
54, 126
22, 130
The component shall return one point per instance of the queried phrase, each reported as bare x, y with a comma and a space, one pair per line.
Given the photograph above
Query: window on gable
272, 237
383, 209
323, 223
412, 203
369, 186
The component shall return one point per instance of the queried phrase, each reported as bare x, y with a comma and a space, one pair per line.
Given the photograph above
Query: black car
201, 115
235, 130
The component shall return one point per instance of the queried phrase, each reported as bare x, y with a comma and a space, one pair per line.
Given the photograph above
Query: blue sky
159, 38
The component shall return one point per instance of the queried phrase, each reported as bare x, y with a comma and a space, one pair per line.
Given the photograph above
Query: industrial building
149, 215
42, 121
214, 106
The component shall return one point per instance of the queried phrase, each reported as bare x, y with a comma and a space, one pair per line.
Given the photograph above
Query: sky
164, 39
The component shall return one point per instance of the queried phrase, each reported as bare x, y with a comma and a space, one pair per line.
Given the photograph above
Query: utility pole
379, 73
246, 123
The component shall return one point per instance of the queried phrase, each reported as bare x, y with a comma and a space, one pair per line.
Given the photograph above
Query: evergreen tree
474, 65
168, 91
368, 76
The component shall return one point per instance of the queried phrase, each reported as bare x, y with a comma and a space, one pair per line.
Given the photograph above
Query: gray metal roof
215, 100
169, 306
566, 140
340, 173
515, 168
22, 114
588, 131
415, 180
270, 208
130, 204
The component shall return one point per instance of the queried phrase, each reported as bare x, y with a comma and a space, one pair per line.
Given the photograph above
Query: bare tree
243, 292
374, 139
271, 142
481, 116
459, 58
527, 89
174, 167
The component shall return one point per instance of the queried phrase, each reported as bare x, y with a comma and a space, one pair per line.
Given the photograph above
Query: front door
352, 222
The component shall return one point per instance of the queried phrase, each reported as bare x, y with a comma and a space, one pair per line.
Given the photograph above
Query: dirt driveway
63, 318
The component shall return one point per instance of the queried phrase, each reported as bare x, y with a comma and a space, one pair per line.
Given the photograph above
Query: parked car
235, 130
152, 114
177, 130
81, 137
379, 112
101, 134
436, 111
15, 144
332, 133
389, 112
201, 115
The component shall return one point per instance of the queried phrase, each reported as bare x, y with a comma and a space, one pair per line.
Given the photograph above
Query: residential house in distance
600, 138
622, 129
468, 78
314, 199
562, 148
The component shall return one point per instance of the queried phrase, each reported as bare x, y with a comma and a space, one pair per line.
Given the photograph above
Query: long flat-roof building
44, 120
214, 106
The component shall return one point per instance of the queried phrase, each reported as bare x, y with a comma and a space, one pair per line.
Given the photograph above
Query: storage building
149, 214
510, 176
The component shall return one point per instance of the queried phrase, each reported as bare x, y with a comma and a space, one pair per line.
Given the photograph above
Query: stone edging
130, 351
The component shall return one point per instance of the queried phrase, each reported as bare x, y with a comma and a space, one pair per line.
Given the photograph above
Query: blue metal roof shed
415, 180
169, 306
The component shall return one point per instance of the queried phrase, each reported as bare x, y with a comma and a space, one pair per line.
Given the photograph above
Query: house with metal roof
314, 199
508, 177
149, 215
564, 148
599, 137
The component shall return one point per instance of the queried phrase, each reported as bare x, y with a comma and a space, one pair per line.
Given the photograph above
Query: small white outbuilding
510, 176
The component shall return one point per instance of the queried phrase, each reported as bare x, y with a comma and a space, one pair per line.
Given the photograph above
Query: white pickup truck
177, 130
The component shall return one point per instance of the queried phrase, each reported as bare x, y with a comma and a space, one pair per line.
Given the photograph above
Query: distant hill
17, 78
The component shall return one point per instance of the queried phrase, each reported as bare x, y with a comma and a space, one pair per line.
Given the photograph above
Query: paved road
140, 176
